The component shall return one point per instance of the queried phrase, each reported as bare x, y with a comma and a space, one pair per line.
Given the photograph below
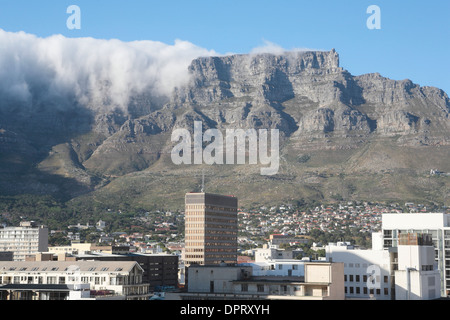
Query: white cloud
273, 48
98, 73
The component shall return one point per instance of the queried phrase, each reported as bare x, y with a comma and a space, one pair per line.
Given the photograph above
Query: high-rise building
211, 228
436, 225
416, 277
24, 240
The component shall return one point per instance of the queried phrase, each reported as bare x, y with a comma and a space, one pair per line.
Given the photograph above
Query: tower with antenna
210, 216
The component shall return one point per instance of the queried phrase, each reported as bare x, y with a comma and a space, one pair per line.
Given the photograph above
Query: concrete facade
36, 280
368, 273
26, 239
322, 281
436, 225
416, 277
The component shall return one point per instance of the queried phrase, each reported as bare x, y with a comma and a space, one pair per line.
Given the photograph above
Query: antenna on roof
203, 180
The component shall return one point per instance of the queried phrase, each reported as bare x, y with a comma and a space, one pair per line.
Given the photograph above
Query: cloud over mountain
92, 72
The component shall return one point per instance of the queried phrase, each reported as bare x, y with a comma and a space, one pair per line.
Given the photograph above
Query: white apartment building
416, 277
367, 273
57, 280
272, 252
24, 240
405, 272
437, 225
273, 261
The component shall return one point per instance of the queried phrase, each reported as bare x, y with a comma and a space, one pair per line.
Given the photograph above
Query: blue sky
413, 42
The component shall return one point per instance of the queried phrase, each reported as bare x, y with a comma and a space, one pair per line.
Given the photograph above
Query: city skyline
112, 113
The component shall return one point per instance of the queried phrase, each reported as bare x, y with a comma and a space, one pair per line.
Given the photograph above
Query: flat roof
36, 287
56, 266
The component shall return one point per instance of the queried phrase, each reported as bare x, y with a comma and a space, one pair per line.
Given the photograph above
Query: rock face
307, 94
316, 105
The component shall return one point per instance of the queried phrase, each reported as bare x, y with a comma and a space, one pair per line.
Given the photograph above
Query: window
51, 280
244, 287
351, 278
357, 278
260, 288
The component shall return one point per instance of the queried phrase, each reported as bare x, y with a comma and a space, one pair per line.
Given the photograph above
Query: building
77, 247
407, 271
273, 261
321, 281
278, 239
416, 278
59, 280
368, 273
6, 256
272, 252
159, 270
211, 228
26, 239
437, 225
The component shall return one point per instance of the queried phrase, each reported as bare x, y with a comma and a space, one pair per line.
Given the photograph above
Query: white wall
422, 285
418, 221
362, 263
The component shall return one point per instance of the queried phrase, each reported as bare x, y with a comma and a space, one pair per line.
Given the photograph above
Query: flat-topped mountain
362, 137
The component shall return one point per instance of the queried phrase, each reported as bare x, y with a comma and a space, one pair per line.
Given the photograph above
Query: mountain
342, 137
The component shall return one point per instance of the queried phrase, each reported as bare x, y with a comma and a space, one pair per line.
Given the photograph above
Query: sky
413, 41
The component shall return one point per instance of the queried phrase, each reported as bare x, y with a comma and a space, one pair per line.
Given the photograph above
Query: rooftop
36, 266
